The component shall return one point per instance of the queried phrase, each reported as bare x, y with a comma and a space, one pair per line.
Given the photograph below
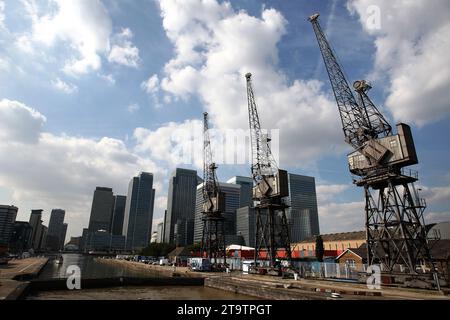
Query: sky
93, 92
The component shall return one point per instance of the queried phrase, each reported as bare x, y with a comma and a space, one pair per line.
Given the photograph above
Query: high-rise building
246, 224
160, 232
55, 230
36, 224
118, 214
181, 207
137, 223
246, 183
21, 237
302, 215
232, 202
7, 218
43, 238
101, 210
84, 240
62, 238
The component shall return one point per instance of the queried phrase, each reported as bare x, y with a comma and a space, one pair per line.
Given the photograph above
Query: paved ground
22, 267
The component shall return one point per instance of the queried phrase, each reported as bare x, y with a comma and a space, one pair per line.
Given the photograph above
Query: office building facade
101, 210
8, 216
246, 224
160, 232
21, 237
302, 215
232, 202
118, 215
180, 216
138, 216
55, 230
245, 197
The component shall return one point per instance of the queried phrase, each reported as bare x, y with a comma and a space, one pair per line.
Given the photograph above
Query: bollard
295, 276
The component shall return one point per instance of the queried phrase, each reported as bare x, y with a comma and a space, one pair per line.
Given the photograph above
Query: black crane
395, 227
213, 238
270, 187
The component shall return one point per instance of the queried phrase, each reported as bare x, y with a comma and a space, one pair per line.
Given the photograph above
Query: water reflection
90, 268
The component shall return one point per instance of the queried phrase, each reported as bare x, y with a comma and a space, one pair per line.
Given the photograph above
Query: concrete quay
15, 275
276, 288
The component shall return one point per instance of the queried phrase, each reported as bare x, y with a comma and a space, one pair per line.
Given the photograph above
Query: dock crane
213, 237
395, 228
270, 187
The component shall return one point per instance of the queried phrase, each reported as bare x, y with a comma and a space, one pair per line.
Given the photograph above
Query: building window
351, 263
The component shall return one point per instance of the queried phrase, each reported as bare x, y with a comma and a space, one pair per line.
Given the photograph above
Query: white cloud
436, 195
123, 51
84, 24
19, 123
434, 216
173, 143
132, 108
341, 217
328, 191
215, 46
412, 48
51, 171
151, 85
64, 86
108, 78
24, 44
161, 202
4, 64
2, 14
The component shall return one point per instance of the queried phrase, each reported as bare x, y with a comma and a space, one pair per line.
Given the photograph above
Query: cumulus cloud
412, 46
123, 51
64, 86
173, 143
326, 192
151, 85
341, 217
46, 170
19, 123
215, 46
84, 24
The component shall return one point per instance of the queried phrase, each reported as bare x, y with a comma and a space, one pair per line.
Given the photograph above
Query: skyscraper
36, 224
181, 207
7, 218
160, 231
137, 223
246, 183
101, 210
62, 238
245, 225
55, 230
21, 237
118, 214
303, 214
232, 201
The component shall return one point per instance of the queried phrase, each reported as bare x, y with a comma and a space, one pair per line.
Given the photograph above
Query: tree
319, 248
157, 249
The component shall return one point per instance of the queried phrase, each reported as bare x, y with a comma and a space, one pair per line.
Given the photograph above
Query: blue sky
91, 91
